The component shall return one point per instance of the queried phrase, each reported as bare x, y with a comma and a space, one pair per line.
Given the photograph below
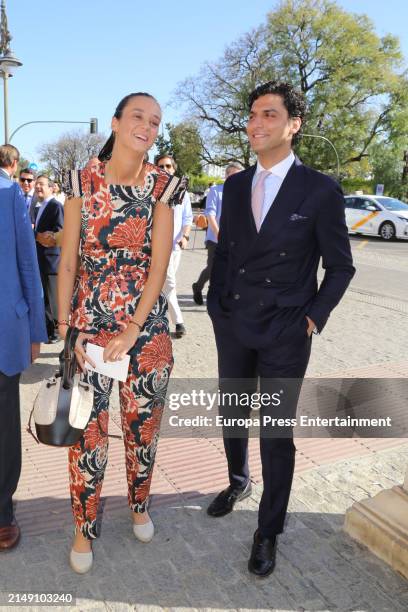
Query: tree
216, 98
351, 78
70, 151
184, 144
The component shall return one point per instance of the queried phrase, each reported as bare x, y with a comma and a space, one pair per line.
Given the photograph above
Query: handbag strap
69, 360
29, 429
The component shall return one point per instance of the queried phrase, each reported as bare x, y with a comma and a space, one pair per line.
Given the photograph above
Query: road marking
362, 244
364, 220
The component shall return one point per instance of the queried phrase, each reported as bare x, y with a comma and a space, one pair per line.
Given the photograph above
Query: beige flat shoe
144, 532
80, 562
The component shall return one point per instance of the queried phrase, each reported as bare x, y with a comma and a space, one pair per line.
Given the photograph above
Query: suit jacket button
268, 280
236, 296
261, 303
283, 254
242, 270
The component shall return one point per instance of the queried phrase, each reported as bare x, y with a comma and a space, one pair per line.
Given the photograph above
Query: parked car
377, 216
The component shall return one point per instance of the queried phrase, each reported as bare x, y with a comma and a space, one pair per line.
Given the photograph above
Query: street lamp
8, 63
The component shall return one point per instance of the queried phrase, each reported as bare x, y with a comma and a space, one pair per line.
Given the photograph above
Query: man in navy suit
279, 219
49, 218
22, 328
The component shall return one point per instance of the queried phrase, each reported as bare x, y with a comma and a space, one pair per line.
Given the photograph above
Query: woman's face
139, 124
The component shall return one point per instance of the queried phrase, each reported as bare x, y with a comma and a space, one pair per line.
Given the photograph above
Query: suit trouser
280, 360
49, 284
170, 286
206, 273
10, 444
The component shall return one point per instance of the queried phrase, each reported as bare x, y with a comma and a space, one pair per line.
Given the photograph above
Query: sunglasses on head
167, 166
25, 180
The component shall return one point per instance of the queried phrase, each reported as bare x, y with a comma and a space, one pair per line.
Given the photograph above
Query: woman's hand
80, 352
117, 348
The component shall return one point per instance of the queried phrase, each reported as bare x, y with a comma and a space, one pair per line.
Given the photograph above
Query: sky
80, 57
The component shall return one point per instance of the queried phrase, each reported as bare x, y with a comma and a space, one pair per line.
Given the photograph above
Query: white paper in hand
114, 369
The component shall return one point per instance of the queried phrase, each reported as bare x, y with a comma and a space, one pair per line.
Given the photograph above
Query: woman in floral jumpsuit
120, 218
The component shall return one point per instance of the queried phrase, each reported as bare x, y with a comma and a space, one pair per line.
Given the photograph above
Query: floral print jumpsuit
115, 245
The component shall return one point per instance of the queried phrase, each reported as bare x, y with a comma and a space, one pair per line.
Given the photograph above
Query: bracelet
131, 322
63, 322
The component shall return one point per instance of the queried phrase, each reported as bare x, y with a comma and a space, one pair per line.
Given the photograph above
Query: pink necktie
258, 195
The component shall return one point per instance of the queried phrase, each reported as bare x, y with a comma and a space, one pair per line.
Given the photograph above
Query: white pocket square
296, 217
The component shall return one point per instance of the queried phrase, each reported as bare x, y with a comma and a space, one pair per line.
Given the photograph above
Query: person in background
52, 239
183, 219
27, 183
22, 329
57, 193
50, 218
213, 213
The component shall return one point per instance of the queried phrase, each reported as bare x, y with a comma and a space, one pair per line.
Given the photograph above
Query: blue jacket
22, 318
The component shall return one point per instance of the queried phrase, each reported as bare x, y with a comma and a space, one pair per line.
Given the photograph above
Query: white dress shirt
273, 182
183, 215
41, 210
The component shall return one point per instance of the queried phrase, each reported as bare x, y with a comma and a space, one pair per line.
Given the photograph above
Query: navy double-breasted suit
261, 289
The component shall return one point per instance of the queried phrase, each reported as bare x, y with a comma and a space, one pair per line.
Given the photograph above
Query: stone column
381, 524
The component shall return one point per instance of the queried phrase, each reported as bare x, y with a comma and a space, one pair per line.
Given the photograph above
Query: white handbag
64, 402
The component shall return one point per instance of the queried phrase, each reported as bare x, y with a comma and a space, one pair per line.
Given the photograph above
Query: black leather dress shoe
53, 339
197, 295
263, 555
224, 502
180, 330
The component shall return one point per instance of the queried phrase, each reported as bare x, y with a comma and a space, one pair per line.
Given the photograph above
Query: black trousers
10, 444
206, 273
49, 284
280, 366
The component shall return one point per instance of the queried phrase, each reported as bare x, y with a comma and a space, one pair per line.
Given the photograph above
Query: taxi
377, 216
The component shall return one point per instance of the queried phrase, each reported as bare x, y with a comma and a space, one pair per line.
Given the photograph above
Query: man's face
269, 126
43, 189
165, 163
26, 181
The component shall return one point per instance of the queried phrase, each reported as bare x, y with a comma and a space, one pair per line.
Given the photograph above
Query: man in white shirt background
213, 207
183, 219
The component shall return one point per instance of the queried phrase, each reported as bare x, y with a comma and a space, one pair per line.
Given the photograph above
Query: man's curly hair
293, 100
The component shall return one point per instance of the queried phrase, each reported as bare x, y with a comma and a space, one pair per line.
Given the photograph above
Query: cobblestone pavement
195, 562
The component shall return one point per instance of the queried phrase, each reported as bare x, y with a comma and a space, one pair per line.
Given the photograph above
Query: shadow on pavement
37, 372
195, 561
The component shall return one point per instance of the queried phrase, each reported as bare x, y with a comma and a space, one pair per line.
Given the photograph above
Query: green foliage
200, 182
352, 79
184, 144
388, 162
350, 185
